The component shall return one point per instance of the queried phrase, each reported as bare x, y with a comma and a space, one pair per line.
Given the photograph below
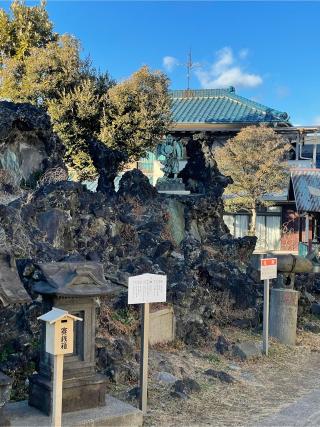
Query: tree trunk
253, 221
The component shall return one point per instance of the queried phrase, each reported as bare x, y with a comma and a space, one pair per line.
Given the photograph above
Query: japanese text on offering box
64, 338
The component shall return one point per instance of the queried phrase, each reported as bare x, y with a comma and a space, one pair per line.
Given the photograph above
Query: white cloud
317, 120
225, 60
226, 72
169, 63
243, 53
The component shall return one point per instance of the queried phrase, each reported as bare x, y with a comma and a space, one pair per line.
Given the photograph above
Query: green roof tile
220, 106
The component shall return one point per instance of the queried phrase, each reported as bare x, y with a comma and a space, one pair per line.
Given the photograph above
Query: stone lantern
71, 286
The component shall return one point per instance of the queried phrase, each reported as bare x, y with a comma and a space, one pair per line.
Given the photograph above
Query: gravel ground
262, 387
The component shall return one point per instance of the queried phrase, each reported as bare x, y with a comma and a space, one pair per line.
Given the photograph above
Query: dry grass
262, 386
113, 323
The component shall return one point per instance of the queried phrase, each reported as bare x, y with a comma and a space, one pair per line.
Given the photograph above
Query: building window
268, 229
274, 209
237, 224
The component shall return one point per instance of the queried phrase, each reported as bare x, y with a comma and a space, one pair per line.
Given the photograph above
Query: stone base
176, 192
78, 394
115, 413
171, 186
5, 388
4, 419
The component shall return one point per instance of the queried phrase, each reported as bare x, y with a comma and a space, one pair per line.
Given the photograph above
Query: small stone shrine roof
12, 290
57, 314
73, 279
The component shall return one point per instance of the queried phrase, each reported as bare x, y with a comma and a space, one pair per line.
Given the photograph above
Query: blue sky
270, 51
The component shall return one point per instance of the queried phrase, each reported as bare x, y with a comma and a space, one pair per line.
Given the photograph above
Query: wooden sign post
145, 289
268, 271
59, 341
144, 358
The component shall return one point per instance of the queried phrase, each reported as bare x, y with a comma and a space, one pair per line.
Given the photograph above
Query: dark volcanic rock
131, 236
117, 361
200, 174
134, 184
179, 395
134, 393
27, 144
315, 308
223, 345
108, 163
221, 375
186, 386
133, 232
247, 350
312, 327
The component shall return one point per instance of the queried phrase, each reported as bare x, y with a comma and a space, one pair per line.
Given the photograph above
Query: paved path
114, 413
304, 412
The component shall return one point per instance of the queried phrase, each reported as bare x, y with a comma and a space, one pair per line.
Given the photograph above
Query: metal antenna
189, 68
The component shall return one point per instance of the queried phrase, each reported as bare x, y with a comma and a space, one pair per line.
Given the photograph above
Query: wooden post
144, 289
144, 358
57, 391
300, 227
266, 317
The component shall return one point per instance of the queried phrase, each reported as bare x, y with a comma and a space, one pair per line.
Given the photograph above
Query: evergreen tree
24, 28
46, 69
76, 119
44, 73
137, 113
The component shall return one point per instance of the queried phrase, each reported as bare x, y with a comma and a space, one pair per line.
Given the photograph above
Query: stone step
116, 414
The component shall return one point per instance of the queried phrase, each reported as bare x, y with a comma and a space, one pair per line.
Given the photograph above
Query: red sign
268, 261
268, 268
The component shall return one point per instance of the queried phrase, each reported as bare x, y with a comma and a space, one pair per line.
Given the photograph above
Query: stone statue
170, 183
170, 149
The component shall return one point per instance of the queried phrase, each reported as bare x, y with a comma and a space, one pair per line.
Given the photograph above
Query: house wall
290, 228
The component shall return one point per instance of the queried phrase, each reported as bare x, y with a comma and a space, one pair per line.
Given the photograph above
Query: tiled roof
220, 106
12, 290
306, 188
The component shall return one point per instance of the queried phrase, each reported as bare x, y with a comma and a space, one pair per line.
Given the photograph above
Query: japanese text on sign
64, 338
147, 288
268, 268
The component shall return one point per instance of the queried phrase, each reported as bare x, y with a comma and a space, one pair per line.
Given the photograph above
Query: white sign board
147, 288
268, 268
